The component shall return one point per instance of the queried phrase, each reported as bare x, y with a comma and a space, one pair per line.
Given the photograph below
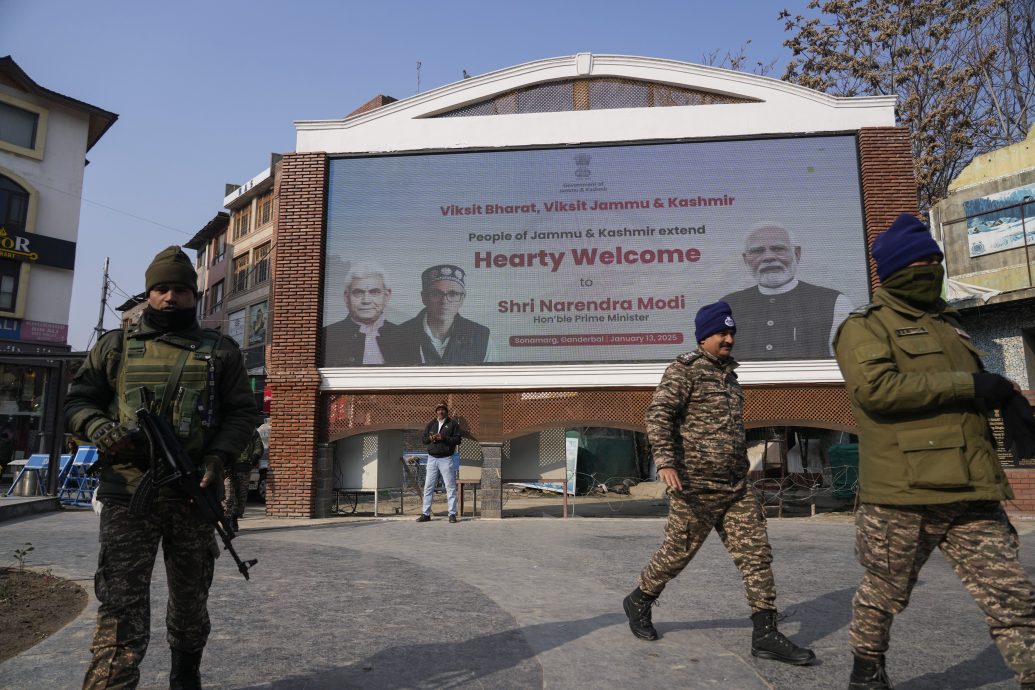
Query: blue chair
78, 486
38, 464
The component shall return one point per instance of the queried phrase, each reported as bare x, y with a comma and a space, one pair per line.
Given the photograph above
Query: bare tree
962, 70
737, 61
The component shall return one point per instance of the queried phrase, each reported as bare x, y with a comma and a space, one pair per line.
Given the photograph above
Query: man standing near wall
929, 475
695, 425
442, 436
196, 379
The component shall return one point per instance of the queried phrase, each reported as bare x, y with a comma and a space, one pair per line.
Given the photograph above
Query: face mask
169, 320
918, 285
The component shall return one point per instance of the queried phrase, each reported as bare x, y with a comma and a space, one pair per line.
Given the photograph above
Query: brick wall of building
296, 296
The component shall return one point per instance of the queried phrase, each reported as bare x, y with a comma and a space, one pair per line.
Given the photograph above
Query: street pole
99, 329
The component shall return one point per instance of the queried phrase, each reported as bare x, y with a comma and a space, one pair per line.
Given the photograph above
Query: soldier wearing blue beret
695, 425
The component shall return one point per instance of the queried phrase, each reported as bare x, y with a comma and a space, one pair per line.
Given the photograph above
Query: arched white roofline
777, 107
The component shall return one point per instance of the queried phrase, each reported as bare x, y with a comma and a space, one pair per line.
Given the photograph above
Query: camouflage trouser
893, 542
129, 545
738, 518
235, 492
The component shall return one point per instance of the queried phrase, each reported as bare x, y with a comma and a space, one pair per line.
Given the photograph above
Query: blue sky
205, 91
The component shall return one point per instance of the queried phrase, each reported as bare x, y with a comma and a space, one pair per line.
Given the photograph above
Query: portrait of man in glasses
445, 337
780, 316
365, 337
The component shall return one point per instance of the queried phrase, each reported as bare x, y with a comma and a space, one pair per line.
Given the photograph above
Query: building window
240, 273
14, 205
201, 257
18, 126
215, 297
261, 262
597, 93
264, 210
242, 221
219, 249
10, 272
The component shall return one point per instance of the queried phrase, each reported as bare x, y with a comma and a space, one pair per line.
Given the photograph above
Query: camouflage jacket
695, 421
92, 402
924, 437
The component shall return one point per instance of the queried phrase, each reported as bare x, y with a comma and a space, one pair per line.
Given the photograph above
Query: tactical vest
173, 377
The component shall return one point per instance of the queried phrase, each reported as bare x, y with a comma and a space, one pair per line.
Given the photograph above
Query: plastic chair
38, 464
78, 487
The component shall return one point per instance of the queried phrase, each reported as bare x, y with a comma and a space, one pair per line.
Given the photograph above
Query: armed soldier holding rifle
188, 388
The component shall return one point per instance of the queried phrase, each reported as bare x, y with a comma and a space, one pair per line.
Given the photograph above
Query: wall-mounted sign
37, 249
257, 314
38, 331
235, 327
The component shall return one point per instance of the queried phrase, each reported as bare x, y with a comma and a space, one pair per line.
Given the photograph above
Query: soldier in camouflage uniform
695, 425
238, 476
929, 475
196, 379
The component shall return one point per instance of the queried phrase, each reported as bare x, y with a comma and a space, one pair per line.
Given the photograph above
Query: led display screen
591, 254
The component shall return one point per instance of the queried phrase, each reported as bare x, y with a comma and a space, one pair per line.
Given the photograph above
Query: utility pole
99, 329
418, 76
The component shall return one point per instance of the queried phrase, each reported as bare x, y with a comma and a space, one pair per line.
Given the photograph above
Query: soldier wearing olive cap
196, 379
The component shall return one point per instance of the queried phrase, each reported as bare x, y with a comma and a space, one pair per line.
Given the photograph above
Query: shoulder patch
689, 357
864, 309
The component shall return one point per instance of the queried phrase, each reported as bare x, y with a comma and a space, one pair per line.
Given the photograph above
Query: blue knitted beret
713, 318
906, 241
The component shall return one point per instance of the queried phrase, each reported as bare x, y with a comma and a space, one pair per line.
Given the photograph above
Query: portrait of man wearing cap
365, 337
442, 335
783, 317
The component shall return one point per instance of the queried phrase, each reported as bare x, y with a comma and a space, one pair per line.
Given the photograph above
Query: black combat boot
869, 675
185, 673
769, 643
637, 608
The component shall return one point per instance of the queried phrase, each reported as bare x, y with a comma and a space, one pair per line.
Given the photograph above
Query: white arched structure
762, 107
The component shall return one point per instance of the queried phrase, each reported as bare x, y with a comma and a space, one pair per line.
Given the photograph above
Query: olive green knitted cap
171, 265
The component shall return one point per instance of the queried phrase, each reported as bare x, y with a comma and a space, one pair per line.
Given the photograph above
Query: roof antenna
418, 76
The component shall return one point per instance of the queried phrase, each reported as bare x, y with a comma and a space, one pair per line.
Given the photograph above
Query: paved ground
518, 603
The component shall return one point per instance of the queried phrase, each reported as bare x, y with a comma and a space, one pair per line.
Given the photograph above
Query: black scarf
169, 320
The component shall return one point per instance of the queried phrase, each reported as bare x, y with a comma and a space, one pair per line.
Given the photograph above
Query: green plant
21, 552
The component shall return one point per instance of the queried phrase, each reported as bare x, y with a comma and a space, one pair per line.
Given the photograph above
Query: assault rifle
172, 464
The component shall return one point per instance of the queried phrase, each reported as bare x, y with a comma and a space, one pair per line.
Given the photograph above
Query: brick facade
303, 417
296, 298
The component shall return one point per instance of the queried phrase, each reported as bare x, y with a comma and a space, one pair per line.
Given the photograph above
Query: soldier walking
928, 475
695, 425
196, 379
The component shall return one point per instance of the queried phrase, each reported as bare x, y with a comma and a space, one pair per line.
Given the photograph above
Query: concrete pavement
518, 603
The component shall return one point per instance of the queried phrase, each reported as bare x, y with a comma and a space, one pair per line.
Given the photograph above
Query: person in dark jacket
442, 436
929, 475
364, 337
196, 379
442, 335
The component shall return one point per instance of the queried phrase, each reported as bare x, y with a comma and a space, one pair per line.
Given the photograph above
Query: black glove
1019, 428
993, 388
112, 438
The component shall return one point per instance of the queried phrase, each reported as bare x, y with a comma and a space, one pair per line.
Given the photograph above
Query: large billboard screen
592, 255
